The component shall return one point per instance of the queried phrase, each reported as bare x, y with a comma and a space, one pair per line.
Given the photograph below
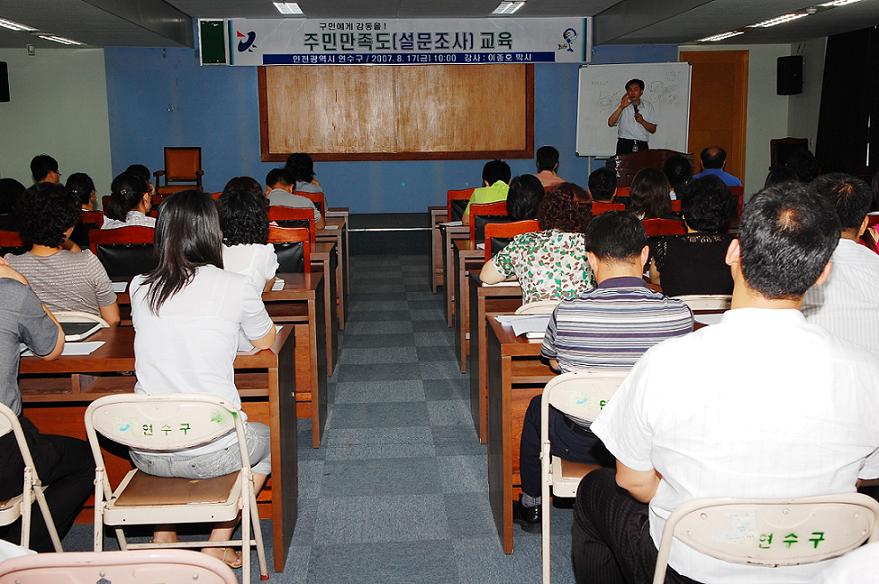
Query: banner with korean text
294, 41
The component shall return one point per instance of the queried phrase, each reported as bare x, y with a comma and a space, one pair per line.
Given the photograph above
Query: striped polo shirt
613, 325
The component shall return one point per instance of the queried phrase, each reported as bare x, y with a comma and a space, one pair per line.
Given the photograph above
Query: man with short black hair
635, 119
495, 186
713, 158
44, 168
602, 184
761, 405
547, 167
847, 304
279, 191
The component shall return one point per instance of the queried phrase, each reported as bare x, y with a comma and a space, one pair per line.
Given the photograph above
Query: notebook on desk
277, 285
77, 331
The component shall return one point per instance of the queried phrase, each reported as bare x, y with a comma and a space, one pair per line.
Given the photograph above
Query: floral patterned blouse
548, 264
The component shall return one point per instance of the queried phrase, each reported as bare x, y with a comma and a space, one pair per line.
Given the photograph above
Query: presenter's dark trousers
610, 536
625, 146
66, 468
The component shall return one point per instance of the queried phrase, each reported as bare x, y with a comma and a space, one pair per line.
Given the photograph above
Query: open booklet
278, 285
533, 326
452, 224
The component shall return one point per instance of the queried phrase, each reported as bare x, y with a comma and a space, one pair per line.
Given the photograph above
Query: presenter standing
634, 118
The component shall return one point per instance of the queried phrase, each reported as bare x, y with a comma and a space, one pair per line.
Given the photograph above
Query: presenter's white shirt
629, 129
760, 405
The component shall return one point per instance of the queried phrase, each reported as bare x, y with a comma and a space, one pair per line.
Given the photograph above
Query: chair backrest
497, 212
582, 394
656, 227
456, 202
124, 252
622, 191
79, 316
292, 246
706, 302
182, 163
498, 235
319, 200
119, 567
599, 207
88, 220
10, 242
538, 307
293, 217
780, 149
771, 532
676, 205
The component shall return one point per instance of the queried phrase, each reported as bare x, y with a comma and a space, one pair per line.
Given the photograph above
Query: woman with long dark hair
648, 198
130, 201
186, 314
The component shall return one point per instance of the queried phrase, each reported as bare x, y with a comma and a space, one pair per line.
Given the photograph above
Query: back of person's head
713, 157
140, 170
187, 236
804, 164
126, 192
10, 191
243, 212
45, 211
678, 171
496, 170
279, 177
780, 175
566, 207
708, 205
849, 195
547, 158
81, 186
637, 82
42, 165
787, 235
602, 184
524, 197
301, 167
615, 236
649, 194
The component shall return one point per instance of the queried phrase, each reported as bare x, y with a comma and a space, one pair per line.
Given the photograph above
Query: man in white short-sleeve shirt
634, 118
761, 405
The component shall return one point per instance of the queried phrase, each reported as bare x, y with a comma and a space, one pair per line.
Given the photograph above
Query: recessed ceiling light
779, 20
836, 3
58, 39
508, 7
14, 25
288, 7
721, 36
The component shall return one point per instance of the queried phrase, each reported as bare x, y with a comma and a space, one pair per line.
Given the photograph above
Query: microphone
635, 107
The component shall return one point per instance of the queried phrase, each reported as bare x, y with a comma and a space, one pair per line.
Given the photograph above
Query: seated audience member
859, 566
761, 405
143, 172
495, 179
779, 175
63, 279
602, 185
245, 226
679, 173
10, 191
648, 196
610, 326
280, 192
713, 159
301, 168
82, 187
550, 263
65, 465
695, 263
186, 314
847, 304
130, 201
524, 197
804, 164
547, 167
44, 168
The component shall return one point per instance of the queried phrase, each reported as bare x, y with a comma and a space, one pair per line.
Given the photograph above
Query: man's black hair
787, 235
678, 171
45, 211
140, 170
602, 184
279, 175
524, 197
804, 164
637, 82
713, 157
779, 175
547, 158
849, 195
42, 165
10, 191
495, 170
615, 235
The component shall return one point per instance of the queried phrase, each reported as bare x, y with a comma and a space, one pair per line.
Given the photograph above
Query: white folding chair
706, 302
32, 490
79, 316
580, 395
167, 423
539, 307
128, 567
770, 532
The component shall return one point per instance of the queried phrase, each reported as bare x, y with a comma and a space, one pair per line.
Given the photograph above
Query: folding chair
319, 200
770, 532
456, 202
484, 213
580, 395
498, 235
124, 252
88, 220
656, 227
293, 217
293, 248
32, 490
129, 567
166, 423
706, 302
183, 167
599, 207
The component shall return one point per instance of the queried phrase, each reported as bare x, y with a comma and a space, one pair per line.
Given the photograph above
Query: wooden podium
627, 166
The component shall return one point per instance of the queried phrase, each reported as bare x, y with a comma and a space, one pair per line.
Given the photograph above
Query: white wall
58, 106
803, 109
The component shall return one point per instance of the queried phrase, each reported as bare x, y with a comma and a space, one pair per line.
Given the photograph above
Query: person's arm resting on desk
499, 268
255, 322
39, 329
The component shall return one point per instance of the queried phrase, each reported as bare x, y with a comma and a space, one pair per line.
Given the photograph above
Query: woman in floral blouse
549, 264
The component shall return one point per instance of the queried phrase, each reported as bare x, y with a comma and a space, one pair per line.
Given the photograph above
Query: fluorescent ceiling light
14, 25
836, 3
58, 39
288, 7
779, 20
508, 7
721, 36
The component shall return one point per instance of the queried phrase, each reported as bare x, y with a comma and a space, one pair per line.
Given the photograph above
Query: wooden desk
449, 235
467, 256
438, 214
343, 212
338, 234
324, 258
515, 375
56, 393
484, 299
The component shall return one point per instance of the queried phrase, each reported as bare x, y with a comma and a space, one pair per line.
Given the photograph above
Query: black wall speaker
4, 82
790, 75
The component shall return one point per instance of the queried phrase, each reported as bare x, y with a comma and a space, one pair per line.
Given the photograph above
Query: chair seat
566, 476
10, 510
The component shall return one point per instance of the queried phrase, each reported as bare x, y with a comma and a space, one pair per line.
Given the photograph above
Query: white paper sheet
328, 227
278, 285
452, 223
119, 287
81, 348
708, 319
506, 283
525, 323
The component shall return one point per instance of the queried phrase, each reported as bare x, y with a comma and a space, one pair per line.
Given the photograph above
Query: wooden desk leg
463, 314
285, 479
342, 306
500, 450
317, 360
435, 242
347, 260
477, 359
448, 258
330, 323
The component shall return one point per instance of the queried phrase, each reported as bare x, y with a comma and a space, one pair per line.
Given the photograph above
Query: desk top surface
468, 245
516, 346
506, 291
296, 287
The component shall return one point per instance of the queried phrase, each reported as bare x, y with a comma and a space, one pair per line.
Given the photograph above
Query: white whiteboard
666, 86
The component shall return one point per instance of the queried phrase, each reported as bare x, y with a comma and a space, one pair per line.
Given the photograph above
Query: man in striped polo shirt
610, 326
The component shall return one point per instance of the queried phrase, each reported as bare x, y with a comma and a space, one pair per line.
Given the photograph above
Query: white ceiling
160, 23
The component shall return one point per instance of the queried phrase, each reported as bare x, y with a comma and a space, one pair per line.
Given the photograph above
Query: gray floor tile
425, 562
375, 519
379, 415
436, 353
425, 314
430, 326
379, 287
442, 389
379, 391
452, 434
426, 294
463, 474
336, 437
377, 355
440, 370
415, 476
469, 515
381, 372
310, 478
388, 340
449, 413
434, 302
435, 339
377, 451
378, 328
368, 305
379, 315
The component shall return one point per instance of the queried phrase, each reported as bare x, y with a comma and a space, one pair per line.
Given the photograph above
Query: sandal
230, 557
